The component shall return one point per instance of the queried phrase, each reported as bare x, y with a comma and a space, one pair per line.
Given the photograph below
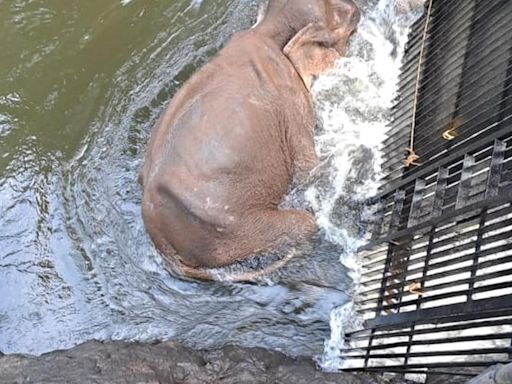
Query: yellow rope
411, 159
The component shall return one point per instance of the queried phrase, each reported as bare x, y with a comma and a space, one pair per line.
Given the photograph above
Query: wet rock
167, 363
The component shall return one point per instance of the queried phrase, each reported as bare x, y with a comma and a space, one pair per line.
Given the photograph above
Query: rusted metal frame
465, 184
503, 134
404, 212
494, 177
417, 202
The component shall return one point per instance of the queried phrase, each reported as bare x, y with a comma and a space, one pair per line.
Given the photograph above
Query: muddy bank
167, 363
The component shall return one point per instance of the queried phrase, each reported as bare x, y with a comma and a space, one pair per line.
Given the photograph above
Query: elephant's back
220, 150
232, 130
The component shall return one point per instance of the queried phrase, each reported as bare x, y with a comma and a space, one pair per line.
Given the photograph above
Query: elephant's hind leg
266, 231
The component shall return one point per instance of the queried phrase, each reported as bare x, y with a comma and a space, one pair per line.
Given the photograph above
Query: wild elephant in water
224, 152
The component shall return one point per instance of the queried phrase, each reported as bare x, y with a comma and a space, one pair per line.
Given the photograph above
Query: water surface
82, 83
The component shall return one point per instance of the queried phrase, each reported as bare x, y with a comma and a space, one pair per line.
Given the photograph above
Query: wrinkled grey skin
223, 154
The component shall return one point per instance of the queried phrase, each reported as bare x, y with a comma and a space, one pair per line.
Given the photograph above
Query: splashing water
354, 103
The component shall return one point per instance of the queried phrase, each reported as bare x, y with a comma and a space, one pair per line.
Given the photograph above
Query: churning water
76, 109
354, 104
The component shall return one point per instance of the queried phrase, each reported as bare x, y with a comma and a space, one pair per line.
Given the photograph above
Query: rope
411, 159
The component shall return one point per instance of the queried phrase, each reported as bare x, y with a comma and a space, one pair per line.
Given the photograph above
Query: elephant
235, 136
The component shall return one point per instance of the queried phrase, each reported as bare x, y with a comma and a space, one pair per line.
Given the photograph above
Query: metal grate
437, 288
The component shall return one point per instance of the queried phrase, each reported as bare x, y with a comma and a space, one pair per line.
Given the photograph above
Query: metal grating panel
465, 82
436, 292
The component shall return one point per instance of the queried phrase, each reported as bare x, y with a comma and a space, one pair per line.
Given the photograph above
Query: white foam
353, 102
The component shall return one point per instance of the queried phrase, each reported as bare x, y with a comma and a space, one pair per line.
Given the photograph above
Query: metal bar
464, 364
427, 168
416, 204
503, 198
465, 181
396, 134
417, 371
494, 178
439, 318
446, 340
409, 68
446, 263
407, 353
478, 247
416, 368
471, 133
383, 283
400, 119
485, 351
455, 283
368, 351
486, 288
493, 305
397, 210
435, 329
437, 206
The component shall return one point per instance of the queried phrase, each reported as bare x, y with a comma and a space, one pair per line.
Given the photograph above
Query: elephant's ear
311, 51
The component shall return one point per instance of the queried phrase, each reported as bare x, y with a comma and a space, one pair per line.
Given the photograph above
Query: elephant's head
312, 33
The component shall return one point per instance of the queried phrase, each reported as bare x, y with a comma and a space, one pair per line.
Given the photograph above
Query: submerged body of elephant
223, 154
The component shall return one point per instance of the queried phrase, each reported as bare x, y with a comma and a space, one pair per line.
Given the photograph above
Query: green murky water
59, 61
